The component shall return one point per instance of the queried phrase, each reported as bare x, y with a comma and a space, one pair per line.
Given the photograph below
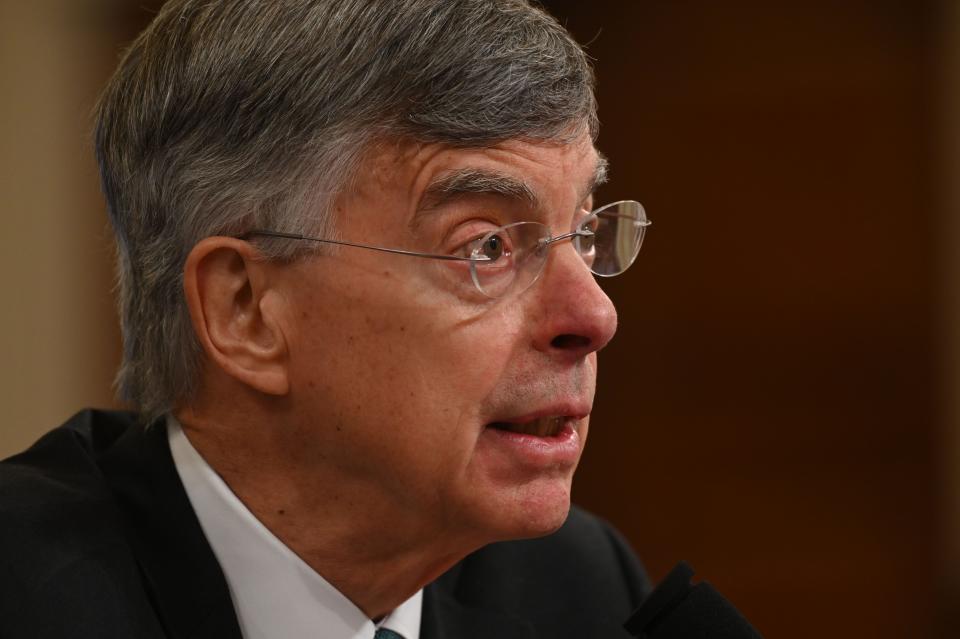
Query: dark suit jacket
98, 540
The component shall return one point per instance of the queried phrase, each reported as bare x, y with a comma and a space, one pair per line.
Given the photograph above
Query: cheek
402, 397
469, 356
424, 365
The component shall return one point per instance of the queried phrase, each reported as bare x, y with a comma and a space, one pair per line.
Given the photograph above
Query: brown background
778, 406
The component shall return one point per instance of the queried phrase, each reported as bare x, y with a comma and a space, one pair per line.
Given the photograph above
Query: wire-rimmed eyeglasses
510, 258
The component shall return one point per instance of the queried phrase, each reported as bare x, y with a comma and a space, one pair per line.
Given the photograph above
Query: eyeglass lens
618, 230
608, 240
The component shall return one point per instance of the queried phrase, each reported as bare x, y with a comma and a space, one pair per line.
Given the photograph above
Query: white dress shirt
276, 595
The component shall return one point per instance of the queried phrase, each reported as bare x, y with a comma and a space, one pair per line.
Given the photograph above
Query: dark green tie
384, 633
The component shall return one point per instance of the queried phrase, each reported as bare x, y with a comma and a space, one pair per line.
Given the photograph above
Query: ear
236, 313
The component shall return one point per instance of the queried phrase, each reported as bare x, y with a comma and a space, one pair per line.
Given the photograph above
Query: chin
534, 511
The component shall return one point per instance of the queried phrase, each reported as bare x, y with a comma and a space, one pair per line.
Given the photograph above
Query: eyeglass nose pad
543, 245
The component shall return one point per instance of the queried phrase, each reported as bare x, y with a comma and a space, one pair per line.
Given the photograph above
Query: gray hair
229, 115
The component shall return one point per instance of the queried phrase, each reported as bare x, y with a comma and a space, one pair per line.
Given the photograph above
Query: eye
586, 243
491, 247
469, 238
589, 223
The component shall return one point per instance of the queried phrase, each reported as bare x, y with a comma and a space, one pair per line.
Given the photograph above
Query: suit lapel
446, 617
182, 575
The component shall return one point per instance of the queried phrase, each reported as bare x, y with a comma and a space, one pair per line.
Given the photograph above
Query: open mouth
541, 427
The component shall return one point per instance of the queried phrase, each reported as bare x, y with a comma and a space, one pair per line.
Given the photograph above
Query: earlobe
234, 313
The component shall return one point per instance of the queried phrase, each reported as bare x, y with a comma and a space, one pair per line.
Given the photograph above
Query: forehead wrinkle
467, 181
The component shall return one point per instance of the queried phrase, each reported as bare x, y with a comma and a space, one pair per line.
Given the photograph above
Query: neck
353, 536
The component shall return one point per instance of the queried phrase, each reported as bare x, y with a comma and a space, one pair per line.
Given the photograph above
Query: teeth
543, 427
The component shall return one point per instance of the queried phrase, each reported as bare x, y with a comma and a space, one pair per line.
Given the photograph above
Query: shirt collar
275, 593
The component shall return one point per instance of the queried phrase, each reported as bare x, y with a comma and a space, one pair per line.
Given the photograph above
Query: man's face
413, 389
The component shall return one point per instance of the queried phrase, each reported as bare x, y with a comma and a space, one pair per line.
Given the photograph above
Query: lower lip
562, 449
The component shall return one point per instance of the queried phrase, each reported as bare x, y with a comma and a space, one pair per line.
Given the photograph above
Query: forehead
417, 177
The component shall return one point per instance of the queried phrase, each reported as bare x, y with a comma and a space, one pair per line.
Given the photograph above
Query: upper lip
573, 411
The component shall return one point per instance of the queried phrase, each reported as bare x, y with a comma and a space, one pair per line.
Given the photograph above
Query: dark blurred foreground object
676, 609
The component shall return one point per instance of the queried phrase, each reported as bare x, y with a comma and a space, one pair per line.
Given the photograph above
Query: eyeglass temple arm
547, 241
630, 217
572, 234
298, 236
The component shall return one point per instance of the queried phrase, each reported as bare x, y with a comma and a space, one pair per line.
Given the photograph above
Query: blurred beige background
59, 338
781, 405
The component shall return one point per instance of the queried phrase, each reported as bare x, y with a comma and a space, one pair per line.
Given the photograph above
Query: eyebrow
601, 174
474, 181
480, 181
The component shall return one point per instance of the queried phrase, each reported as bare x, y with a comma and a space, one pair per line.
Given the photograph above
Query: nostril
570, 342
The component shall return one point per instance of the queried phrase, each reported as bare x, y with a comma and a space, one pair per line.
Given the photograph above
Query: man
355, 247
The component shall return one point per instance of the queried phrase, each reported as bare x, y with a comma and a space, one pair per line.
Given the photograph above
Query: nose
576, 316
